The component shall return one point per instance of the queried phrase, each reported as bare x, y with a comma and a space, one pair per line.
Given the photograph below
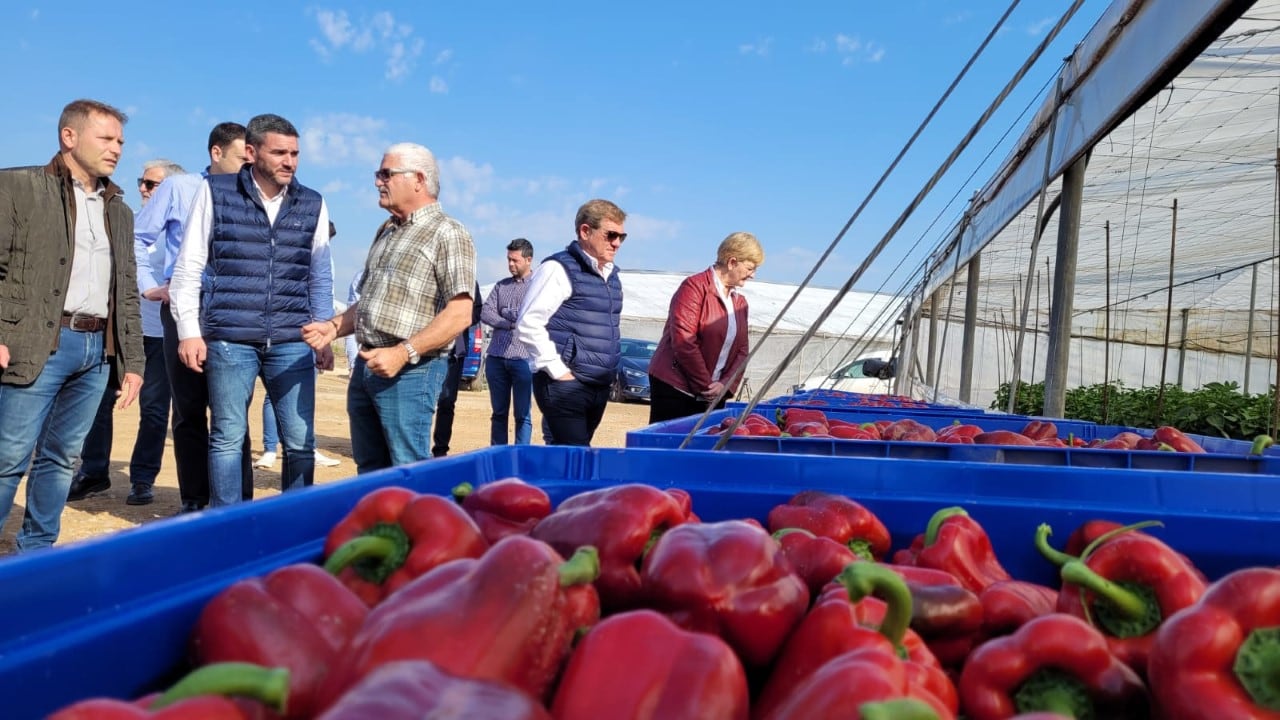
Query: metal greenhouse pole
1058, 357
1248, 338
930, 361
970, 326
1168, 314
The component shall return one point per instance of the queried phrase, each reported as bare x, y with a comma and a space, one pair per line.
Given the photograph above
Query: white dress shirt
548, 289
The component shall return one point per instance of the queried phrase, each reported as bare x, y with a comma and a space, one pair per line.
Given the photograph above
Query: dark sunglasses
612, 235
148, 184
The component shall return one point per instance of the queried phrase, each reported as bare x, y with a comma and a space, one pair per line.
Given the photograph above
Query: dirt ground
107, 512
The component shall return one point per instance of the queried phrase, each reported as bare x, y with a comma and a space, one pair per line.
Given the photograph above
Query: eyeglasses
148, 184
612, 235
384, 174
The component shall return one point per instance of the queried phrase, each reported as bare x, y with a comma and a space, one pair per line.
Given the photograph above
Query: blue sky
699, 119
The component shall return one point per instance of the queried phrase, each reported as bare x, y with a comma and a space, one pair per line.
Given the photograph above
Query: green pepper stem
900, 709
461, 491
935, 523
1256, 664
1050, 553
789, 530
364, 547
862, 579
861, 548
267, 685
582, 568
1125, 602
1260, 443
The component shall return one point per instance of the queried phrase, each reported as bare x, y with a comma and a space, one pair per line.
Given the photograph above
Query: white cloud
35, 14
344, 139
846, 44
818, 46
438, 85
1039, 27
957, 18
853, 50
443, 57
380, 32
761, 47
333, 187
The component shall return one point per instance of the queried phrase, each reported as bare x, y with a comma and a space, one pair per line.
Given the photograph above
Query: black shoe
82, 486
140, 495
188, 507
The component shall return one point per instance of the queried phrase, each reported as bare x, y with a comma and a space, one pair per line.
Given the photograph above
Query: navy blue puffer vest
255, 285
585, 328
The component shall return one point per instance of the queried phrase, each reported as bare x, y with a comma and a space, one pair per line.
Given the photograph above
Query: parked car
870, 374
475, 356
631, 381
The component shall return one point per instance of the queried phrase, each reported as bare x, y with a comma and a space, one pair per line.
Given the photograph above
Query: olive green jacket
37, 243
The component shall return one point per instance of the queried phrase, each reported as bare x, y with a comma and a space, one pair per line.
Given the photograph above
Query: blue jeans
391, 417
288, 372
510, 383
51, 418
270, 429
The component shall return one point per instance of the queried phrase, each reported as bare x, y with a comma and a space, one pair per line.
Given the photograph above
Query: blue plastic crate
672, 433
112, 616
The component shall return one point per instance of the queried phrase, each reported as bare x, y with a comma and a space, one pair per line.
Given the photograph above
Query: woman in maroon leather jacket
704, 343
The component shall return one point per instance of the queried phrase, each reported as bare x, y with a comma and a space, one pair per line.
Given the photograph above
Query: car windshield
640, 349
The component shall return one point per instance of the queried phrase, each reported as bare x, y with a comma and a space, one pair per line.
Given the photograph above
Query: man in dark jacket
68, 311
570, 322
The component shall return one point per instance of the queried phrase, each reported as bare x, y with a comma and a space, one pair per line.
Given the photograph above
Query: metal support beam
1061, 304
1248, 338
931, 360
970, 326
1182, 347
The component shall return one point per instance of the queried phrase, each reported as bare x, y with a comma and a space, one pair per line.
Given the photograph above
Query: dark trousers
442, 433
153, 423
190, 395
668, 403
571, 409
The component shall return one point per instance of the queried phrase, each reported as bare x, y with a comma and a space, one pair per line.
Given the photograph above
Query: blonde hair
741, 245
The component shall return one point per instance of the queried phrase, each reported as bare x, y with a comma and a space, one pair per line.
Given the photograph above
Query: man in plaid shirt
415, 298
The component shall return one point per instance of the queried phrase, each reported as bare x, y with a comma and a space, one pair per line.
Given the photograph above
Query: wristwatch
413, 354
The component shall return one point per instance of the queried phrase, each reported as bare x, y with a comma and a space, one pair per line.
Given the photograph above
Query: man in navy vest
254, 267
570, 322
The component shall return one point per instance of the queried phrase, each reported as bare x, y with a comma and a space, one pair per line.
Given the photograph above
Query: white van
871, 374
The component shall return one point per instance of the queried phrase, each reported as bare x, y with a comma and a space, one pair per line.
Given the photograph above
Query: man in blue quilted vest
254, 267
570, 322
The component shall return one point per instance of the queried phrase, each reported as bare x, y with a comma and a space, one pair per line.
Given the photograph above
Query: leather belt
84, 323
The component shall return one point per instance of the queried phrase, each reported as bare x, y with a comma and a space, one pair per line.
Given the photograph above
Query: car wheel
615, 391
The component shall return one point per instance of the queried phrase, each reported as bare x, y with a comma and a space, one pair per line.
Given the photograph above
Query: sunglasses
384, 174
148, 184
612, 235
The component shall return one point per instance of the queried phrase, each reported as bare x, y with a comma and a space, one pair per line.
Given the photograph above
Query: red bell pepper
639, 665
504, 507
791, 416
1127, 586
908, 430
621, 522
1176, 439
729, 579
1217, 658
947, 616
509, 615
225, 691
834, 516
1121, 441
815, 559
297, 617
852, 432
416, 689
759, 425
1089, 531
846, 618
1040, 430
1009, 604
1002, 437
956, 543
1055, 663
868, 683
393, 535
958, 434
806, 429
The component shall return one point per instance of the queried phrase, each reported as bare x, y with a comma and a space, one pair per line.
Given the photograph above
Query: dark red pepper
1055, 663
956, 543
225, 691
868, 683
1121, 441
728, 579
393, 535
837, 517
621, 522
1002, 437
958, 434
504, 507
908, 430
1040, 430
639, 665
416, 689
1176, 439
1217, 658
815, 559
1127, 586
1009, 604
509, 615
297, 617
790, 417
947, 616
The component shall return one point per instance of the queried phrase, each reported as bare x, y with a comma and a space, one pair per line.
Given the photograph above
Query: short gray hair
417, 157
169, 167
